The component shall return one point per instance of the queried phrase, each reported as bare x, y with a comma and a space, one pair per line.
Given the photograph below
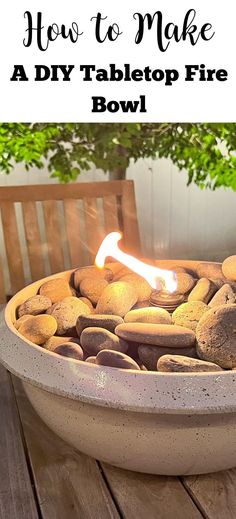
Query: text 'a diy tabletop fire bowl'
168, 422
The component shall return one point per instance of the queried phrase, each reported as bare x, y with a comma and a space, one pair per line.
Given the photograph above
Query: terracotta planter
171, 424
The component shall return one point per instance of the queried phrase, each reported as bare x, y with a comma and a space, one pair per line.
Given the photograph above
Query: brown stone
109, 322
115, 359
55, 289
225, 296
203, 291
216, 336
117, 299
229, 268
189, 314
149, 355
148, 315
94, 340
34, 306
38, 328
92, 288
94, 272
66, 313
156, 334
55, 341
21, 320
140, 285
181, 364
91, 359
87, 302
209, 270
185, 282
71, 350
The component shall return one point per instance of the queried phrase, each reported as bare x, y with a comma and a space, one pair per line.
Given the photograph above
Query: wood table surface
42, 477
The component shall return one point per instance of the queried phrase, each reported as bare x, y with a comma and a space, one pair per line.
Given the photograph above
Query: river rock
71, 350
55, 341
203, 291
156, 334
225, 296
229, 268
38, 328
66, 313
185, 282
88, 272
109, 322
117, 299
209, 270
94, 340
216, 336
148, 315
56, 289
34, 305
189, 314
91, 359
115, 359
87, 302
181, 364
149, 355
140, 285
21, 320
92, 288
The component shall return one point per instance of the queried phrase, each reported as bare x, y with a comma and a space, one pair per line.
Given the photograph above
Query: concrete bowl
171, 424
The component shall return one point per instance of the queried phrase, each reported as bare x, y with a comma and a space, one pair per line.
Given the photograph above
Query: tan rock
94, 272
216, 336
189, 314
21, 320
39, 328
140, 285
117, 299
180, 364
148, 315
225, 296
109, 322
34, 305
115, 359
55, 289
71, 350
66, 313
156, 334
209, 270
185, 282
149, 355
229, 268
92, 288
94, 340
203, 291
55, 341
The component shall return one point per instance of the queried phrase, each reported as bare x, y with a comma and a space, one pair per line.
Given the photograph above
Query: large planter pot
172, 424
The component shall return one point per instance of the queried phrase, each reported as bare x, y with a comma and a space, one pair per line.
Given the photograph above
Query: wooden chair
49, 228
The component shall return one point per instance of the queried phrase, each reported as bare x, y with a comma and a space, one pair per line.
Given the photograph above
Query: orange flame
156, 277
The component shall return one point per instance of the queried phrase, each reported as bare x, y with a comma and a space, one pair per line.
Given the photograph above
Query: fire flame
157, 278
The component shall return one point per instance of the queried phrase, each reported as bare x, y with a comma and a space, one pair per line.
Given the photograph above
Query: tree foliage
206, 151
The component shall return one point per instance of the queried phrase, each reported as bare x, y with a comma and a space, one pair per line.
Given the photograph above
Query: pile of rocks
104, 317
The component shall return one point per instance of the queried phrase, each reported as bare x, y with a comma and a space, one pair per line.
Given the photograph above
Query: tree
206, 151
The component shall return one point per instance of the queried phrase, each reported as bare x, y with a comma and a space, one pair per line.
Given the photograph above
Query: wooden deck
41, 477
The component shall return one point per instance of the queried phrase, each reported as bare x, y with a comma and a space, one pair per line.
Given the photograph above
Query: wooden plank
94, 232
76, 191
72, 223
130, 223
33, 240
68, 483
2, 284
144, 496
110, 213
12, 244
16, 493
215, 494
53, 236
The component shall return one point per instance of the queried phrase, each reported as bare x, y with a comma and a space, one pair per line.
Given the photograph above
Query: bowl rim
131, 390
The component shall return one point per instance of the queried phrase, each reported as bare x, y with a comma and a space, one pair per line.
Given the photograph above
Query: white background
50, 101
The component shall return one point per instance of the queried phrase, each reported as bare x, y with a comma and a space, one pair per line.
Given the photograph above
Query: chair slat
94, 233
2, 284
12, 244
72, 223
110, 213
53, 235
129, 214
33, 240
